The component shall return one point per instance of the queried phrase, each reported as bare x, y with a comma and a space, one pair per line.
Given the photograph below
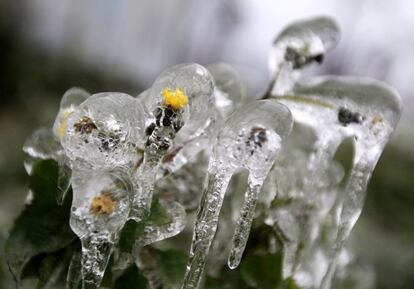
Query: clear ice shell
155, 233
298, 45
346, 107
250, 139
98, 224
42, 145
105, 132
199, 114
72, 98
229, 90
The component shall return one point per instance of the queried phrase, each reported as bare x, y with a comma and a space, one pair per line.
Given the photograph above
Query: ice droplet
104, 132
100, 208
250, 139
297, 46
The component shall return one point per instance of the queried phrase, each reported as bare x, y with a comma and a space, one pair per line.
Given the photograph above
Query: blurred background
48, 46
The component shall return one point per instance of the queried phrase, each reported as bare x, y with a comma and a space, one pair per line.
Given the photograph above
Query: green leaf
171, 265
43, 226
262, 271
131, 279
291, 283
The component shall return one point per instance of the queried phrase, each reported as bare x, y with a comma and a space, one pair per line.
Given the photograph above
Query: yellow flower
176, 99
102, 205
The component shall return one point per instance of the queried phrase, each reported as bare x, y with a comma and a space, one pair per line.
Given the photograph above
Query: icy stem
298, 46
176, 104
250, 139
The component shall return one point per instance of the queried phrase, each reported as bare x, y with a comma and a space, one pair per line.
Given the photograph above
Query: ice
100, 208
42, 145
155, 233
339, 108
177, 102
250, 139
105, 131
297, 46
72, 98
199, 115
74, 276
229, 90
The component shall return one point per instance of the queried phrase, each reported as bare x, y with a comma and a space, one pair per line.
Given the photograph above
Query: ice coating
250, 139
42, 145
198, 117
72, 98
338, 108
297, 46
178, 102
229, 90
299, 212
155, 233
100, 208
105, 132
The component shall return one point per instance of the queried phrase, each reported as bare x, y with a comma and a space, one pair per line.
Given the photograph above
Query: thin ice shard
250, 139
100, 208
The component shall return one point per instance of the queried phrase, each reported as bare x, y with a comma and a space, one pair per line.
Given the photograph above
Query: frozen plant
138, 168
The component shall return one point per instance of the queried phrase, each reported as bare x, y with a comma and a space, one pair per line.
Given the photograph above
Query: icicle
250, 139
177, 102
99, 210
244, 224
74, 276
368, 111
299, 45
338, 108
